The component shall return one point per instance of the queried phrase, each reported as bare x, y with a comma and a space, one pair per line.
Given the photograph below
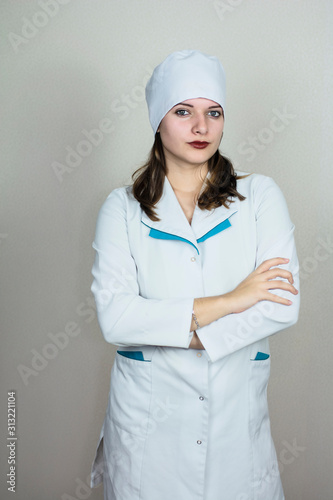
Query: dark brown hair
148, 181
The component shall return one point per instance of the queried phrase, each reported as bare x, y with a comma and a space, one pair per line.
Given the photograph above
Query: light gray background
65, 67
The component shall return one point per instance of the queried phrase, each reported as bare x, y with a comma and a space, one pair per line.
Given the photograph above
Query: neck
187, 180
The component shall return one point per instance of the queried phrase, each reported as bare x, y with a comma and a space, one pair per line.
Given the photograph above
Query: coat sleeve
275, 238
125, 317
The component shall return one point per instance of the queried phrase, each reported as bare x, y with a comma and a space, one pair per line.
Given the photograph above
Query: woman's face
191, 132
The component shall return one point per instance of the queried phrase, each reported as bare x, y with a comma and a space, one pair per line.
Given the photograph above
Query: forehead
200, 102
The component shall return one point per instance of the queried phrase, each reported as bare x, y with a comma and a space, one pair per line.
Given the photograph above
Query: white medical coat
183, 424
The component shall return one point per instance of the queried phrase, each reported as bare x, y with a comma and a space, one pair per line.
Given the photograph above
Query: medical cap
187, 74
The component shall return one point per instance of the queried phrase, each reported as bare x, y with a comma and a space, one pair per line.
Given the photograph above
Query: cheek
219, 131
170, 135
166, 138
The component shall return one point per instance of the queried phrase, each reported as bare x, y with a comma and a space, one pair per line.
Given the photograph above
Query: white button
199, 354
193, 259
199, 442
201, 398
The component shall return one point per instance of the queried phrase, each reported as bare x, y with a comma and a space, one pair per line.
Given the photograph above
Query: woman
195, 267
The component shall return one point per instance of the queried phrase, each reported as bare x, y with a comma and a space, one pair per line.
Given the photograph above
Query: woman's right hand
257, 285
253, 289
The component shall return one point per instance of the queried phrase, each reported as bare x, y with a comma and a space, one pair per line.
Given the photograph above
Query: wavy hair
148, 181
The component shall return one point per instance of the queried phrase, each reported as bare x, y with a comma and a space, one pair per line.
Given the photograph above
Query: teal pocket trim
261, 356
133, 355
217, 229
161, 235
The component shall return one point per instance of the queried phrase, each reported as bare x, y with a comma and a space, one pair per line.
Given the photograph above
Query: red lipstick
199, 144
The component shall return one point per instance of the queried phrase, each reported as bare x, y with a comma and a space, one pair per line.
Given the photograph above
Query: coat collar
173, 221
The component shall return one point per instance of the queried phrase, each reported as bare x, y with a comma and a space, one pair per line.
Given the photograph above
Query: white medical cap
187, 74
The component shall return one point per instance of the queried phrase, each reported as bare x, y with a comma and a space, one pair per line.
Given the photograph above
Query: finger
281, 285
267, 264
278, 273
277, 299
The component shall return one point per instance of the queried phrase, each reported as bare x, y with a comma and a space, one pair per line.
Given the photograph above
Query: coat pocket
123, 457
265, 472
258, 381
126, 425
130, 394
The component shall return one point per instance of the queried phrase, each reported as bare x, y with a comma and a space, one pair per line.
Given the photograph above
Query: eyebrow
191, 106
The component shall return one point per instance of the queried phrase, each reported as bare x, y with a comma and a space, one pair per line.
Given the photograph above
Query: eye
214, 113
181, 112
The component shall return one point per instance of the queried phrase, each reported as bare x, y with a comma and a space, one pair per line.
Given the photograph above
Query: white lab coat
183, 424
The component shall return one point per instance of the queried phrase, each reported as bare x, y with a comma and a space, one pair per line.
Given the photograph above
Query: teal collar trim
217, 229
162, 235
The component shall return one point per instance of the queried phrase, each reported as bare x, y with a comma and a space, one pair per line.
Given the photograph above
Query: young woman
195, 268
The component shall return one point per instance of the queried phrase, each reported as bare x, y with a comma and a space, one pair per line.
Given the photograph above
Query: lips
199, 144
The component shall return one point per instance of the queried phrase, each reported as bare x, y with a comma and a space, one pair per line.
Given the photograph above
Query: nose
200, 124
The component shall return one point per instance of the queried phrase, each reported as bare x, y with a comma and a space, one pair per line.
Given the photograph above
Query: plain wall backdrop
71, 68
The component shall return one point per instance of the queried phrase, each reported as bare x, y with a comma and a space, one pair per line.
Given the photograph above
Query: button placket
200, 408
203, 408
199, 440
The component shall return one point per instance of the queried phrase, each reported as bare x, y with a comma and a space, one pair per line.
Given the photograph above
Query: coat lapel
173, 223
